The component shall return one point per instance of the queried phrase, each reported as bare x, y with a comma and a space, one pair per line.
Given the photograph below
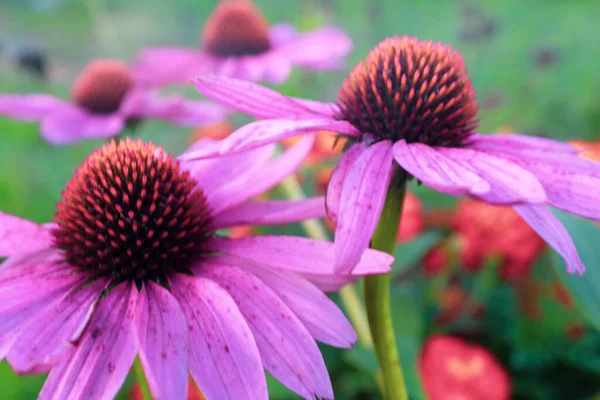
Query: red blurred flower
487, 230
592, 149
135, 393
454, 302
436, 260
529, 292
454, 370
325, 147
215, 131
411, 223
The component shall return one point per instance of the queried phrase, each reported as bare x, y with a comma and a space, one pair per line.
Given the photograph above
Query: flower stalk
378, 301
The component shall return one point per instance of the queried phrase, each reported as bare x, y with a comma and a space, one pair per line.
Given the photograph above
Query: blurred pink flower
104, 99
238, 42
132, 265
410, 109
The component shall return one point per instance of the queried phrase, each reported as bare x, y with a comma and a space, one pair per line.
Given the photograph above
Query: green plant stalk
140, 377
378, 301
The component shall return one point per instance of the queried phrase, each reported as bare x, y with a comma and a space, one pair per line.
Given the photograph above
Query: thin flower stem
140, 377
378, 301
348, 294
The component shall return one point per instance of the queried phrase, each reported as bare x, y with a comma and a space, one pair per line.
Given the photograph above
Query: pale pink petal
30, 107
271, 212
98, 365
223, 358
330, 283
162, 335
170, 65
72, 124
18, 236
275, 69
441, 173
510, 183
269, 175
51, 333
326, 109
259, 133
514, 144
554, 233
281, 33
228, 67
251, 98
323, 48
336, 183
319, 314
255, 68
202, 149
286, 347
297, 254
363, 195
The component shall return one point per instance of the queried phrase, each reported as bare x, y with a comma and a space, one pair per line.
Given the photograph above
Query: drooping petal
325, 109
30, 107
251, 98
287, 349
297, 254
554, 233
319, 314
441, 173
18, 236
72, 124
330, 283
51, 333
280, 34
223, 359
514, 144
97, 367
269, 175
336, 182
259, 133
323, 48
510, 183
361, 202
162, 334
271, 212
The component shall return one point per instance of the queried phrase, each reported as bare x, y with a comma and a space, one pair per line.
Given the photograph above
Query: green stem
378, 301
140, 377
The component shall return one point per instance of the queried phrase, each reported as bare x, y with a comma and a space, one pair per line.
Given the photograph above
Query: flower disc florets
130, 212
414, 90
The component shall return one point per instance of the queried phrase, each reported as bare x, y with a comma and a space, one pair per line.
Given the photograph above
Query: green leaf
584, 289
410, 253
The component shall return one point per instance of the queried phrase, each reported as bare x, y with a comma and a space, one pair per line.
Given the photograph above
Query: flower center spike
102, 86
131, 213
236, 28
412, 90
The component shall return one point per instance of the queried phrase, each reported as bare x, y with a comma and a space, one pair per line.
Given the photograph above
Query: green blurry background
535, 68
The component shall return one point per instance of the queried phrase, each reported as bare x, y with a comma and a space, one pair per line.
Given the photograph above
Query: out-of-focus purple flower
410, 109
238, 42
104, 99
132, 265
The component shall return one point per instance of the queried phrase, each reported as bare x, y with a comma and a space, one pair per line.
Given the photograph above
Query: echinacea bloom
410, 110
104, 99
452, 369
238, 42
486, 230
132, 265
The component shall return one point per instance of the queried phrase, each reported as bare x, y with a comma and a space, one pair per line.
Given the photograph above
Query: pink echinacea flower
132, 265
238, 42
104, 99
409, 111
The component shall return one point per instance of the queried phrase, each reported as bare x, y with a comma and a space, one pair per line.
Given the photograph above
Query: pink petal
280, 34
298, 254
50, 334
438, 171
202, 149
223, 359
323, 48
251, 98
259, 133
321, 316
269, 175
554, 233
262, 67
510, 183
330, 283
18, 236
336, 183
99, 363
325, 109
29, 107
72, 124
162, 334
514, 144
170, 65
363, 195
286, 348
271, 212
